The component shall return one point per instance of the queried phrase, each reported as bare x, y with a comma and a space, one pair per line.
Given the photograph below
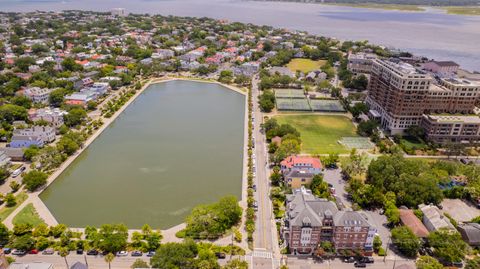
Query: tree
358, 109
266, 101
139, 263
10, 113
473, 263
75, 116
427, 262
56, 97
415, 131
30, 152
226, 76
113, 237
377, 243
24, 242
367, 128
34, 180
63, 252
448, 246
320, 187
69, 64
406, 241
4, 174
109, 258
331, 160
236, 264
175, 256
10, 200
4, 234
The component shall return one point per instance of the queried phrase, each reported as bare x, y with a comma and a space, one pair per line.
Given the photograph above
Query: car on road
19, 252
367, 259
255, 206
254, 187
7, 250
360, 264
220, 255
80, 251
137, 253
150, 253
48, 251
122, 253
33, 251
92, 252
349, 260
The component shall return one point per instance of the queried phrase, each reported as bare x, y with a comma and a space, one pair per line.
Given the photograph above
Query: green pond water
179, 144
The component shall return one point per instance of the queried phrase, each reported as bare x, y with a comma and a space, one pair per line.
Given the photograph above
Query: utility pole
386, 250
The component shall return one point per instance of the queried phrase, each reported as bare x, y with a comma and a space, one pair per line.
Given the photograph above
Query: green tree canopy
406, 241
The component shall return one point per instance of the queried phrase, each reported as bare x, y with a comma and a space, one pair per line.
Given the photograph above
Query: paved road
265, 237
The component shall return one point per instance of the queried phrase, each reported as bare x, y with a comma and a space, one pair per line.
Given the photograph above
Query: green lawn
466, 10
305, 65
6, 211
28, 215
320, 133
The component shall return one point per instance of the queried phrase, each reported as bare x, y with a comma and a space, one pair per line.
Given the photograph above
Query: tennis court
326, 105
289, 93
356, 142
290, 104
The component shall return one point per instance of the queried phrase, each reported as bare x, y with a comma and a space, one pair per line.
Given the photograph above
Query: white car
122, 253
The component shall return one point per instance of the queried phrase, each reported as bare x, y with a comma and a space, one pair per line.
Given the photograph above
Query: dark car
136, 253
79, 251
150, 253
7, 250
92, 252
368, 260
360, 264
220, 255
349, 260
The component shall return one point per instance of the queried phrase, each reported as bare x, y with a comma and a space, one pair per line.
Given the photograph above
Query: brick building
310, 220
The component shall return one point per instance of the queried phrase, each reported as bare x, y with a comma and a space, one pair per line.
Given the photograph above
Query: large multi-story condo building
397, 93
310, 220
401, 96
451, 128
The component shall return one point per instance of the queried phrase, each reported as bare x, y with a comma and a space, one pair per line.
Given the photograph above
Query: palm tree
63, 252
109, 258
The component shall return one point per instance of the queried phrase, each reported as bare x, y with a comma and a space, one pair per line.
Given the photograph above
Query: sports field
320, 133
305, 65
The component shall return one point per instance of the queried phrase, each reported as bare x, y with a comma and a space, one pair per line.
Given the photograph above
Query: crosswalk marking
262, 254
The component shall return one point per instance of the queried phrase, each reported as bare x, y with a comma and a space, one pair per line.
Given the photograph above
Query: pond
179, 144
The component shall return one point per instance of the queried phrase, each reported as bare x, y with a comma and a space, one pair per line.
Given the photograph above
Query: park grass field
6, 211
305, 65
28, 215
320, 133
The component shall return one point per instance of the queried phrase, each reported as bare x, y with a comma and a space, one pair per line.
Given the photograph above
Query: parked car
18, 171
7, 250
360, 264
255, 205
122, 253
137, 253
150, 253
80, 251
48, 251
19, 252
92, 252
254, 187
349, 260
33, 251
220, 255
368, 259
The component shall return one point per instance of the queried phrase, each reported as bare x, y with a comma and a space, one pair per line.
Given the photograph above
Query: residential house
101, 88
4, 159
310, 164
441, 67
470, 233
53, 116
38, 95
298, 178
434, 219
409, 219
81, 98
24, 141
45, 133
15, 154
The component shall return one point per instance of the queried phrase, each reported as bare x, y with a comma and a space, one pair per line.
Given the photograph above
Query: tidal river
178, 145
433, 33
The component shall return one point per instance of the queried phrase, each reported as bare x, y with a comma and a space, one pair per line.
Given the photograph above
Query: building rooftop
409, 219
